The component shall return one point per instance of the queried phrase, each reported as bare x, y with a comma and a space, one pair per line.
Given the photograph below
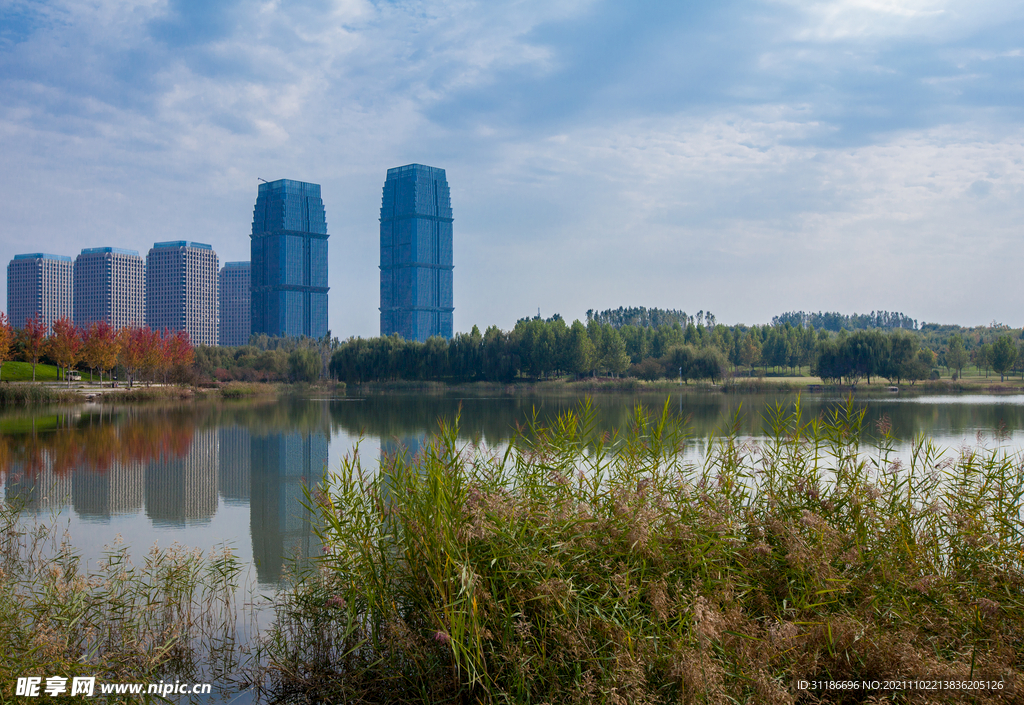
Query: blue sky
746, 158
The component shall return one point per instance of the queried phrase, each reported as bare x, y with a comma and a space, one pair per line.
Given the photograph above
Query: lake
208, 474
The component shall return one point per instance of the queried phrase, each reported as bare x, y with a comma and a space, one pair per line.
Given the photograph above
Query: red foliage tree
131, 343
65, 345
33, 337
152, 352
6, 339
102, 346
178, 352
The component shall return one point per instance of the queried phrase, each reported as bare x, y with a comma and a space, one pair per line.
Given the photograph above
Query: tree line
538, 349
139, 351
835, 322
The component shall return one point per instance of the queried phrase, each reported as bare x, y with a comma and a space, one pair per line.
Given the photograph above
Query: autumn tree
33, 339
178, 352
131, 345
101, 347
6, 339
64, 345
152, 355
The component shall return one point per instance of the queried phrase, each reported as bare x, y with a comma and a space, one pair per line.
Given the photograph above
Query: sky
743, 158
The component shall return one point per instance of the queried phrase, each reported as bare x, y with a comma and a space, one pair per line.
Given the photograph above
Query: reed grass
578, 567
35, 394
173, 615
243, 390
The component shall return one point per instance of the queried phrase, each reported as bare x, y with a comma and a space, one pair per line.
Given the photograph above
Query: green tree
901, 356
956, 354
580, 351
613, 356
983, 357
679, 360
1004, 354
750, 351
304, 365
709, 364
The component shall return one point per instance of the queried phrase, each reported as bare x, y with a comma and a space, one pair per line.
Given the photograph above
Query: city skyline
749, 157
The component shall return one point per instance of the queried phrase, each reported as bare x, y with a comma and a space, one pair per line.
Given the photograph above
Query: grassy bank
580, 568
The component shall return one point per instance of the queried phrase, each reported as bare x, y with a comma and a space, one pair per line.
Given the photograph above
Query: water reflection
209, 473
282, 464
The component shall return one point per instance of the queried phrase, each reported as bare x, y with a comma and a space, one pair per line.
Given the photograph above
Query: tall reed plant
171, 615
581, 567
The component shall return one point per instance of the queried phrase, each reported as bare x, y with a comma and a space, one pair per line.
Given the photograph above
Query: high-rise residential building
181, 289
235, 285
289, 260
110, 285
416, 253
39, 285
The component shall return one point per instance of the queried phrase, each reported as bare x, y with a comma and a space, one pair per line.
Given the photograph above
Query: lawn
17, 371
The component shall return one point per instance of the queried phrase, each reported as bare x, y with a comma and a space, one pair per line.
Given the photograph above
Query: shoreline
30, 393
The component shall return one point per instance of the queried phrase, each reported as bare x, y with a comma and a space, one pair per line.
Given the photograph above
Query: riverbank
802, 384
53, 392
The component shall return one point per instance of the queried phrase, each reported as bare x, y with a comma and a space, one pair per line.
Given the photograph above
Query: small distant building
181, 289
235, 283
289, 260
39, 284
416, 265
110, 285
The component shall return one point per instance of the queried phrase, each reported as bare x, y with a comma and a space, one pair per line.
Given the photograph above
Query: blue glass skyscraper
289, 260
416, 253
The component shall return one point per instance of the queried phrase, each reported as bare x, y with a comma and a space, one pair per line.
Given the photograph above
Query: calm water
207, 474
211, 474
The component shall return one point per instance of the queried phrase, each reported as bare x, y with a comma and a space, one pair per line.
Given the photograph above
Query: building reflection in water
183, 490
281, 465
39, 489
233, 477
99, 494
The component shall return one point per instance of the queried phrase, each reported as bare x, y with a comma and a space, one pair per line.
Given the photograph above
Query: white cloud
744, 205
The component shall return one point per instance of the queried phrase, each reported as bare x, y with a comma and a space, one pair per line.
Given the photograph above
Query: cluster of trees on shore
140, 351
538, 349
268, 359
535, 349
614, 343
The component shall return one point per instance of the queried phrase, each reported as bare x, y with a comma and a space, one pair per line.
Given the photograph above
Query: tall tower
416, 254
181, 289
109, 286
39, 285
289, 260
235, 303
